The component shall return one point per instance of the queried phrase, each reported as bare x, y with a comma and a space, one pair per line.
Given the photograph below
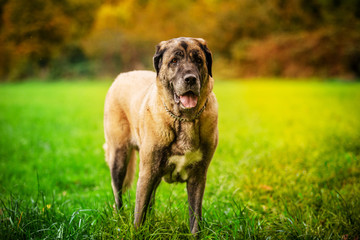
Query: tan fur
135, 119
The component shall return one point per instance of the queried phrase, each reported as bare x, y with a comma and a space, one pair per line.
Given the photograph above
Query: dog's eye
198, 60
174, 60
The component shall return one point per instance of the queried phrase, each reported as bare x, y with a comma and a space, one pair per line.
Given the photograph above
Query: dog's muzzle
187, 91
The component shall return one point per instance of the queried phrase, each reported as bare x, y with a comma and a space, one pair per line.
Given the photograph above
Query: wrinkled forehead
186, 45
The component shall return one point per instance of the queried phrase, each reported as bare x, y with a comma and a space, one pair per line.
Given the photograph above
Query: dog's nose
190, 79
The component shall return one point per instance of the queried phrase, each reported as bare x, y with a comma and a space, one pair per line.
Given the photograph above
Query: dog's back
125, 86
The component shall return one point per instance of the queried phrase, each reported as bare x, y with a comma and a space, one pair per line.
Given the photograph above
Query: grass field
287, 165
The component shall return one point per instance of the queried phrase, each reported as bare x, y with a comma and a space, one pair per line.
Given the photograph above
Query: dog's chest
185, 151
180, 164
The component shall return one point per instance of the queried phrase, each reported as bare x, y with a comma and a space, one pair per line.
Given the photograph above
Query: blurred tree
108, 41
34, 32
109, 36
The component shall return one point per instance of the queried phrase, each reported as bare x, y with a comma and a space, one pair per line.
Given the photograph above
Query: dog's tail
130, 171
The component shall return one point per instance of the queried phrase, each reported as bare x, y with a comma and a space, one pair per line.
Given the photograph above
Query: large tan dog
169, 116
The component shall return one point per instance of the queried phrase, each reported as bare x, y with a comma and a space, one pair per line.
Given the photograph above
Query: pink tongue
189, 100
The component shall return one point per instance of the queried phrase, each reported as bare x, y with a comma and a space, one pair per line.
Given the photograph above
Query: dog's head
183, 68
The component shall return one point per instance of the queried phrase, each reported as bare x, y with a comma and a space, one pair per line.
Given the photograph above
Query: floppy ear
208, 55
158, 57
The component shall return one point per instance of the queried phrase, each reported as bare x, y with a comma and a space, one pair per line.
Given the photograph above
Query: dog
170, 116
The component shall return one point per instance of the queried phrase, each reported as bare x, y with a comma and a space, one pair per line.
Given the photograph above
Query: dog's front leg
152, 198
195, 190
148, 181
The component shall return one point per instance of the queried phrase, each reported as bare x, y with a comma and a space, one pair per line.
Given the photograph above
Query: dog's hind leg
130, 171
118, 160
120, 154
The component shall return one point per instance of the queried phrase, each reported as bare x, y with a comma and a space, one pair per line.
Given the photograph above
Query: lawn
287, 165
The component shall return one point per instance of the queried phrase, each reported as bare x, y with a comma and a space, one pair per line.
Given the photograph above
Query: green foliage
298, 55
287, 165
35, 33
115, 36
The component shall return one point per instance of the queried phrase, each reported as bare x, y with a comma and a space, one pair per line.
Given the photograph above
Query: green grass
287, 165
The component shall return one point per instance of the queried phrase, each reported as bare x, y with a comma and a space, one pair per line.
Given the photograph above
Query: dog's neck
187, 137
180, 119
